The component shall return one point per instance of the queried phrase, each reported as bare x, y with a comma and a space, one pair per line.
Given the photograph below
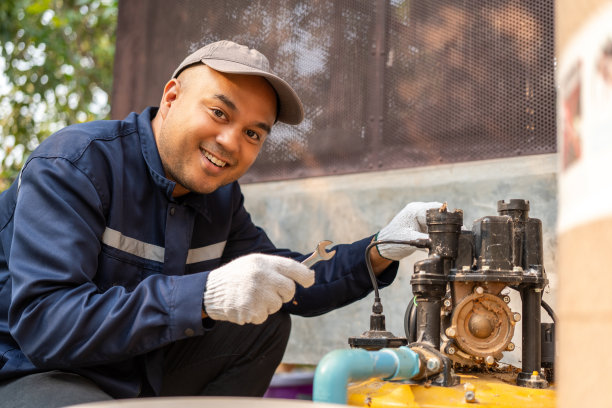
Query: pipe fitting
337, 368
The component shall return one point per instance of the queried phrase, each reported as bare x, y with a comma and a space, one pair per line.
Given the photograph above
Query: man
129, 266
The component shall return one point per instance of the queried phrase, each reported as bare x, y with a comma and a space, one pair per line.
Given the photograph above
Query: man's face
211, 126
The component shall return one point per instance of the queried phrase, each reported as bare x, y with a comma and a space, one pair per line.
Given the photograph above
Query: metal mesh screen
471, 80
386, 84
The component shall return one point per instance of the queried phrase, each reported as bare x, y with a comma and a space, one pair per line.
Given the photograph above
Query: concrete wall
297, 214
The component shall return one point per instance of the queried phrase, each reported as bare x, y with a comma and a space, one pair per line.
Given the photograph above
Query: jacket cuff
186, 308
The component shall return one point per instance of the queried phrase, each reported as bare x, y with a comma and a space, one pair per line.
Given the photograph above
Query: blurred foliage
57, 63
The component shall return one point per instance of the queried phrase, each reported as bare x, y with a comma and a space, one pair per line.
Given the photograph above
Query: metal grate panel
386, 84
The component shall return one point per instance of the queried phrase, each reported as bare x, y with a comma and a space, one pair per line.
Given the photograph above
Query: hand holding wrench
320, 254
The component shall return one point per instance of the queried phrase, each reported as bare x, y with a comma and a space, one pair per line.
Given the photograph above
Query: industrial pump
460, 312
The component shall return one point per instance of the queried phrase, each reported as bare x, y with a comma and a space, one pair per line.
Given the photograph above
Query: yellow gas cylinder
478, 390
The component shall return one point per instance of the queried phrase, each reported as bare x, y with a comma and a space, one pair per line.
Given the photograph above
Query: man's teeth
214, 160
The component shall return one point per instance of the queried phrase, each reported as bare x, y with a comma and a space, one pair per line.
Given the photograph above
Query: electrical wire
415, 243
550, 312
369, 262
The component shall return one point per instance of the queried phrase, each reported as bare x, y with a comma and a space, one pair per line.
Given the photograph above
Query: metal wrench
320, 254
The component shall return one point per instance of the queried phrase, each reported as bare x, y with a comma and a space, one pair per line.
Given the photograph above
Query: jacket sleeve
57, 315
338, 282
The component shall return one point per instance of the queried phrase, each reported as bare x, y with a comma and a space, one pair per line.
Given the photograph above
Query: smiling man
211, 125
129, 266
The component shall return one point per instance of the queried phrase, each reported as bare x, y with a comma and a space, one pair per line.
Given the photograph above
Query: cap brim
290, 110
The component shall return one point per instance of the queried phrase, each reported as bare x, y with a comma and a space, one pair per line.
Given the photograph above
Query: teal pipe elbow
339, 367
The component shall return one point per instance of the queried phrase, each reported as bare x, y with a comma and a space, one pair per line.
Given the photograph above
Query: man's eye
252, 134
218, 113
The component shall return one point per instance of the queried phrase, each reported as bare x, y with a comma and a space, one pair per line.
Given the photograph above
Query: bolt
510, 346
506, 299
517, 317
470, 392
433, 364
479, 290
450, 350
465, 268
447, 303
470, 396
451, 332
517, 269
489, 360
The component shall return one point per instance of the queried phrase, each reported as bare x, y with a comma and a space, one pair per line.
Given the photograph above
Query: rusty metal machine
460, 311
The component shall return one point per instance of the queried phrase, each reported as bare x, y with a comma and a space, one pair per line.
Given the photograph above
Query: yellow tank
479, 390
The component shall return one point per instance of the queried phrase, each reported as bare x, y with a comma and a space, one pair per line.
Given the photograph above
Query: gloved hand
250, 288
409, 224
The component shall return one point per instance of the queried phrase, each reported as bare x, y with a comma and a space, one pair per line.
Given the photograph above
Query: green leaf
68, 38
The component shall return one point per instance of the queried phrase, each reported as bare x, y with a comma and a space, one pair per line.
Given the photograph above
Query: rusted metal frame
375, 89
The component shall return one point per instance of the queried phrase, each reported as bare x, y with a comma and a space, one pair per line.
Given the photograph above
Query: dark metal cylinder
532, 337
534, 254
444, 228
494, 246
428, 321
548, 345
518, 210
429, 286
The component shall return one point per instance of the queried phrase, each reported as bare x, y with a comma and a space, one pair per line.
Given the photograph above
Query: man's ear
170, 94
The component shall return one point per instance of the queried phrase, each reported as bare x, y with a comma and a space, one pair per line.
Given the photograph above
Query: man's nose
229, 138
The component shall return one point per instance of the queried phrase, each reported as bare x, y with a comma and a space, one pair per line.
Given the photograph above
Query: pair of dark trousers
229, 360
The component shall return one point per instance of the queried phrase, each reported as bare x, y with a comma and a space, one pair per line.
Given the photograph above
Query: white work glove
251, 287
409, 224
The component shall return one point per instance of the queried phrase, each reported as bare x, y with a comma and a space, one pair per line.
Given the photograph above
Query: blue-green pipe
337, 368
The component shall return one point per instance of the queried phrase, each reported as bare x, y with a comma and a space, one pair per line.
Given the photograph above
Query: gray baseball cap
229, 57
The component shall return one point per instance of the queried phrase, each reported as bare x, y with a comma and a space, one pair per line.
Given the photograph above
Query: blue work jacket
100, 265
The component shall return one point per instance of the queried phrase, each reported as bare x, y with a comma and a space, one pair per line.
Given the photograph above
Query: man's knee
271, 335
281, 321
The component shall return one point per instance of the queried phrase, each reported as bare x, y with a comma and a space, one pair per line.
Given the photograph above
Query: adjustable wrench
320, 254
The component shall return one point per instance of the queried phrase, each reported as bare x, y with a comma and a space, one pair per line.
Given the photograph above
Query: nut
470, 396
433, 364
451, 332
517, 317
510, 346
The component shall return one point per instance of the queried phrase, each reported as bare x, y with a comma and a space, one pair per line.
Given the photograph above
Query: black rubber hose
410, 321
419, 243
550, 312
